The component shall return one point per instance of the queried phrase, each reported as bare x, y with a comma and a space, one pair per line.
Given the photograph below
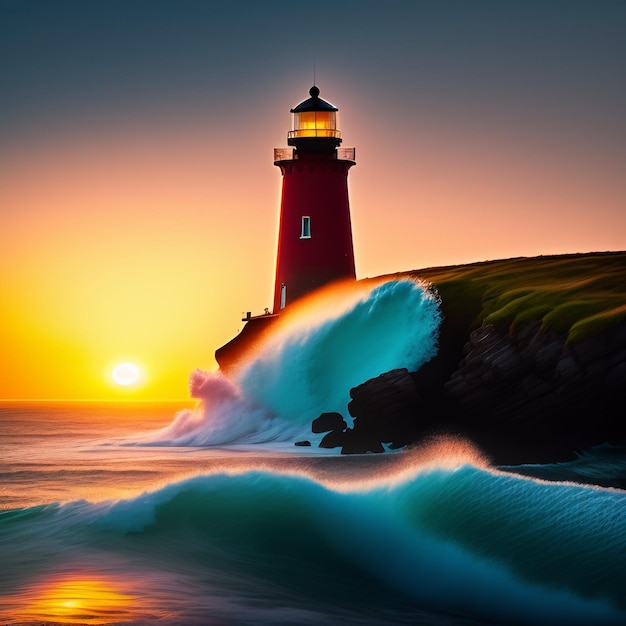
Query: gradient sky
138, 197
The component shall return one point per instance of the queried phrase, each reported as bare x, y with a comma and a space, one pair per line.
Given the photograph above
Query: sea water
159, 514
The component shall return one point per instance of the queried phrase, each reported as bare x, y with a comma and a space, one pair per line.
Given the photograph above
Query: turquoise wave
307, 366
465, 543
310, 364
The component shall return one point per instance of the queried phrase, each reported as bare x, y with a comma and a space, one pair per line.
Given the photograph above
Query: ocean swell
464, 541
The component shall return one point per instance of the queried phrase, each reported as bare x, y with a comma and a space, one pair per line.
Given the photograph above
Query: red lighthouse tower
315, 234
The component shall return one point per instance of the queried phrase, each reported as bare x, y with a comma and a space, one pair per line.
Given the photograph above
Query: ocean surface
207, 514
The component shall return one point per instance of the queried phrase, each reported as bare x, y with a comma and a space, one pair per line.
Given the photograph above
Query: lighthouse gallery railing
287, 154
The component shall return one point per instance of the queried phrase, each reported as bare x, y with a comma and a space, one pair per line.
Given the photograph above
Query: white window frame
305, 230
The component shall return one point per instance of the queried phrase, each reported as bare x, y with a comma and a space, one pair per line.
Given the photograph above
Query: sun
126, 374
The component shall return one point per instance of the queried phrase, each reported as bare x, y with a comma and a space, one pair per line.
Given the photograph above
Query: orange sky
143, 235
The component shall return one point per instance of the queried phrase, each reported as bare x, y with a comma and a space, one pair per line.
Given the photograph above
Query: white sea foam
333, 341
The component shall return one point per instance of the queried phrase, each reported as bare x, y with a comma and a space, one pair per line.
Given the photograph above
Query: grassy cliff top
577, 294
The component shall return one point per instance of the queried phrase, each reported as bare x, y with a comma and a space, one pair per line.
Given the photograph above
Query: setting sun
126, 374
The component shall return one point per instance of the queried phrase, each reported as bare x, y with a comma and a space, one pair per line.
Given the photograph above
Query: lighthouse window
306, 227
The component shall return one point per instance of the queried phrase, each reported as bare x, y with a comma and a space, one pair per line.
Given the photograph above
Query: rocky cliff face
529, 390
521, 393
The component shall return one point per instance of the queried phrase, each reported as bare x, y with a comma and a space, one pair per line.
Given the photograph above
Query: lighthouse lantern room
315, 233
314, 118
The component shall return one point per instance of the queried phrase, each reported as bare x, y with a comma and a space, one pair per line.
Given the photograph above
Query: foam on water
333, 341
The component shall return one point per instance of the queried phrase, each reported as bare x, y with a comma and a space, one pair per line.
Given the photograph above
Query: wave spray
322, 347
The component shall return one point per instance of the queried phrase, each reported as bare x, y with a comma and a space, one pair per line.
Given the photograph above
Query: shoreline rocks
521, 393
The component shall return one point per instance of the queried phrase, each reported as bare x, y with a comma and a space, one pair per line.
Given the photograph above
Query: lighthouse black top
314, 103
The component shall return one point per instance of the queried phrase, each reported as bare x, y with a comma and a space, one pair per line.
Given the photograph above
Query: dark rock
360, 443
334, 439
522, 393
615, 379
531, 396
302, 443
327, 422
385, 410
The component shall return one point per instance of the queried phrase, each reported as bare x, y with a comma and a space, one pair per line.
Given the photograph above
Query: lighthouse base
232, 354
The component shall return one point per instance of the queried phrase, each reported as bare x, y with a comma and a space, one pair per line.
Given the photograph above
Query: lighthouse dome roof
314, 103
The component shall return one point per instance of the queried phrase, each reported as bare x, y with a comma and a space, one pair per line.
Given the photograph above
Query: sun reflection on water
76, 601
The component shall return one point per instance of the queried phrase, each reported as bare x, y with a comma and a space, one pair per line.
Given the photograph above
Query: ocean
207, 514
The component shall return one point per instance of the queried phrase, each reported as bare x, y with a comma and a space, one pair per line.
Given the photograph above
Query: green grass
579, 295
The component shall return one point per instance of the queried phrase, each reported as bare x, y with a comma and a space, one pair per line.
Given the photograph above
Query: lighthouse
315, 233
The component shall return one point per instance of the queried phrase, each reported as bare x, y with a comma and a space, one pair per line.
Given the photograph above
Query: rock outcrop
521, 393
527, 394
328, 422
386, 411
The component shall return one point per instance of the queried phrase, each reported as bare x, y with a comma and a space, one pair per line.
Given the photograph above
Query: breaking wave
333, 341
452, 541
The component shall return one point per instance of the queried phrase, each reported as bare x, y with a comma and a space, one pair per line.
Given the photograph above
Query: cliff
531, 363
